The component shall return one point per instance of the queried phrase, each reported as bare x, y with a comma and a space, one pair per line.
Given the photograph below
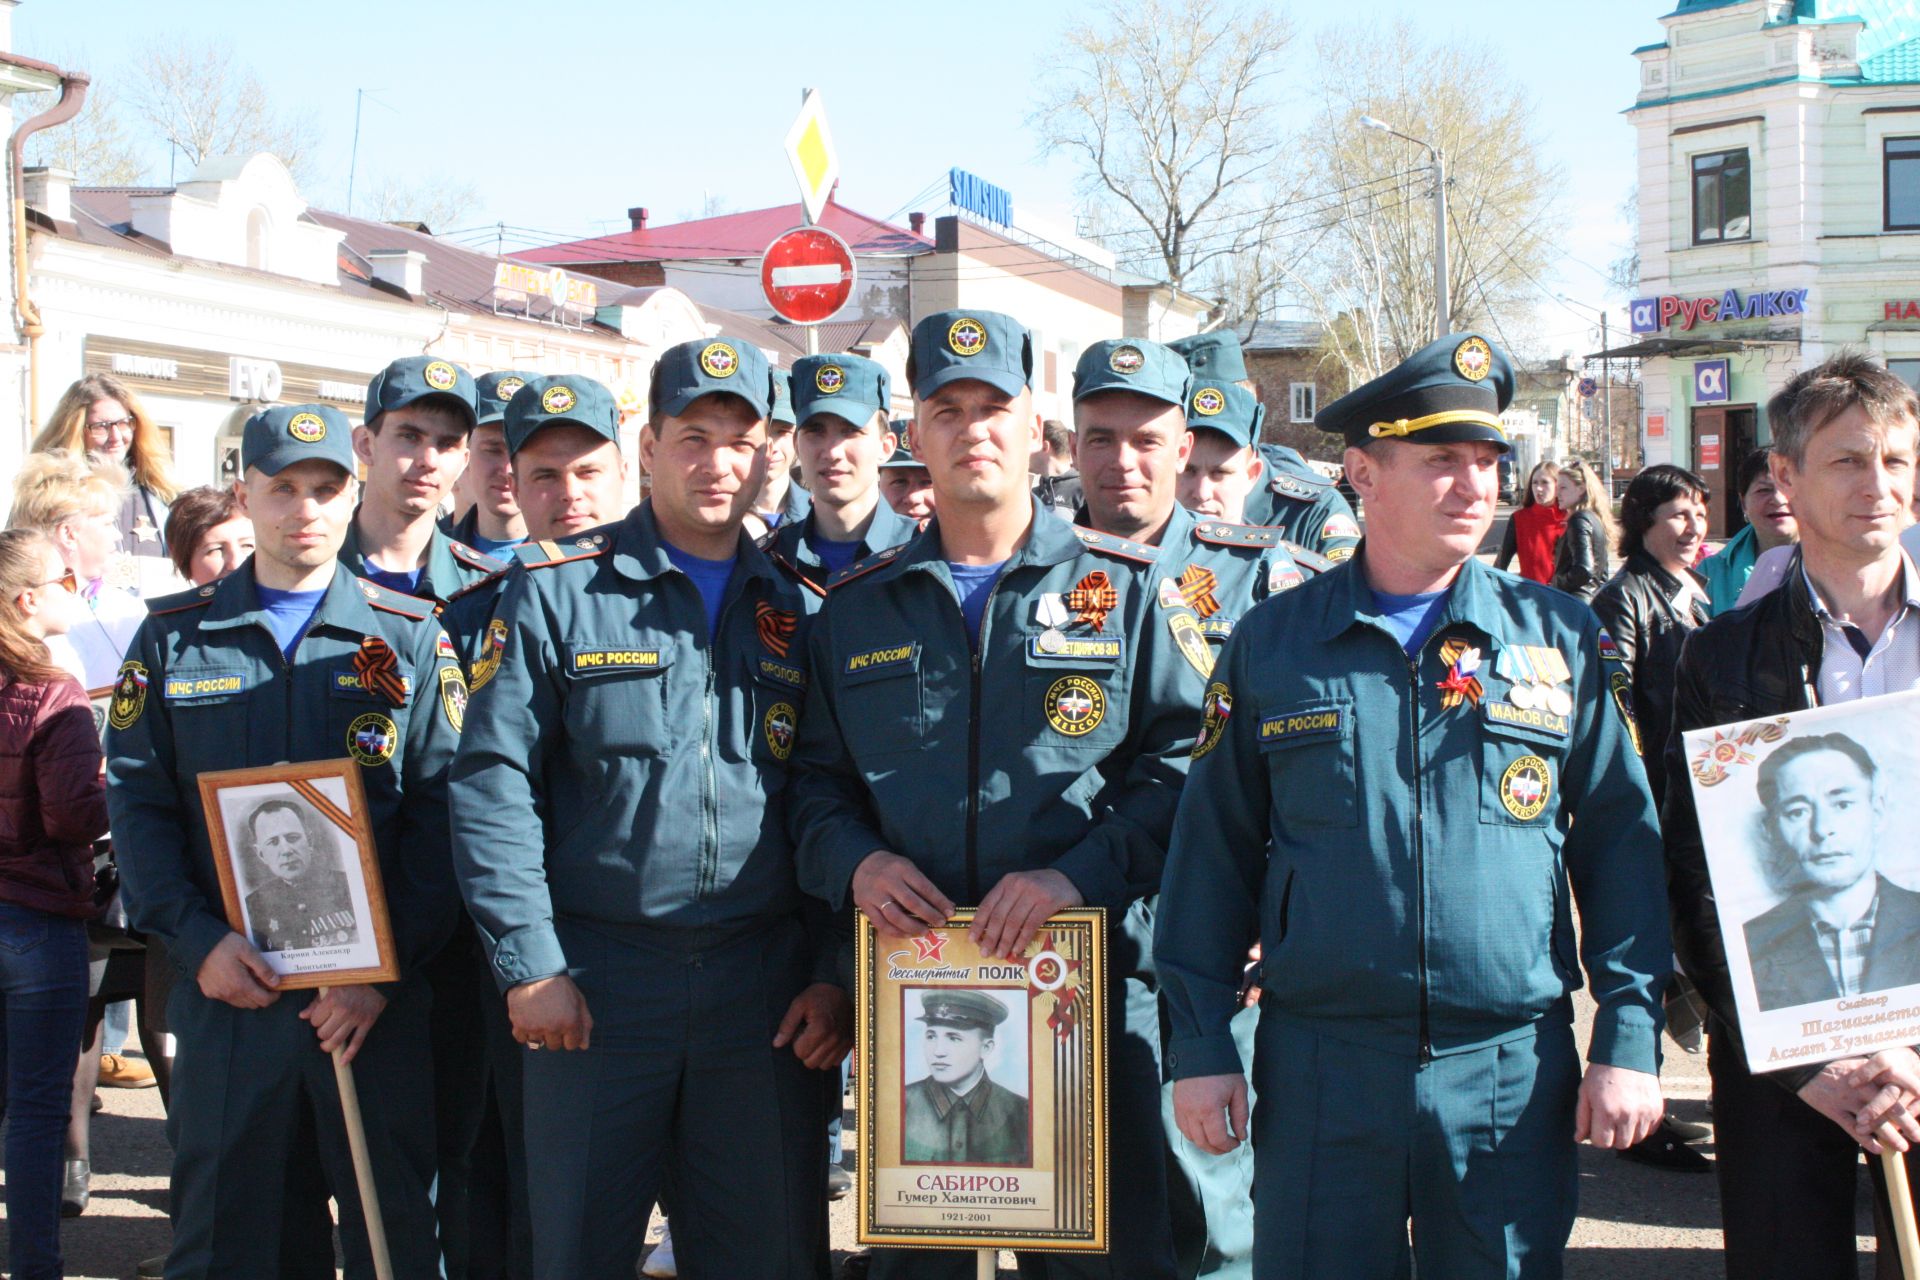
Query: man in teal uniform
562, 435
1381, 809
956, 1114
904, 483
1131, 444
841, 402
621, 840
1224, 468
997, 717
493, 525
420, 411
290, 658
780, 501
1296, 499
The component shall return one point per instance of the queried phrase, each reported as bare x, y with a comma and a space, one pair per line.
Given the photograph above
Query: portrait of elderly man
301, 898
956, 1114
1844, 929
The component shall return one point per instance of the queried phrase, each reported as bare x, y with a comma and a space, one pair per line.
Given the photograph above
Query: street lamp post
1442, 313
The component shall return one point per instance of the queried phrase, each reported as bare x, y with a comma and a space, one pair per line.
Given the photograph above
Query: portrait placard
982, 1089
1806, 821
299, 872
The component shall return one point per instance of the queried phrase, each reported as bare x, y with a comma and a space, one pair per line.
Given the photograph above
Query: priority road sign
807, 274
816, 165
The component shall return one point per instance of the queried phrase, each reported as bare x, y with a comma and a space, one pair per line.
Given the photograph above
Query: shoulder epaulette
860, 568
1311, 561
480, 560
1288, 484
766, 540
181, 601
539, 555
1093, 540
480, 584
1222, 534
393, 601
792, 570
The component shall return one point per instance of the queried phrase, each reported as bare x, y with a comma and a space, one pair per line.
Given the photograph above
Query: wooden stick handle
1900, 1200
362, 1167
988, 1264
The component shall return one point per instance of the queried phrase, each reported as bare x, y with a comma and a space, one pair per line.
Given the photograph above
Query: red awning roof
731, 235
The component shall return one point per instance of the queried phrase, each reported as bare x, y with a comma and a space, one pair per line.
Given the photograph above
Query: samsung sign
979, 197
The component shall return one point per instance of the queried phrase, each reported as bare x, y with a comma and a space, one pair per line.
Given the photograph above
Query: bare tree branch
200, 98
1169, 106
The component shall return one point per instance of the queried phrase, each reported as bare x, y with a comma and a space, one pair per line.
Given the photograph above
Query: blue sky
566, 112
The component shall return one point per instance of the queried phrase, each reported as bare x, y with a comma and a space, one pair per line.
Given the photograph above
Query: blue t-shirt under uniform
405, 582
974, 582
495, 547
289, 614
835, 555
1411, 618
710, 576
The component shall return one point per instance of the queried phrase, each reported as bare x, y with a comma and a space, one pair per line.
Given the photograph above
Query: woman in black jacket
1649, 607
1656, 598
1580, 564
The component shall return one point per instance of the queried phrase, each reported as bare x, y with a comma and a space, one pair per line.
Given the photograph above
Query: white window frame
1302, 395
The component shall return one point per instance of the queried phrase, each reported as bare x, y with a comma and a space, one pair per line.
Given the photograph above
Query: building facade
1779, 179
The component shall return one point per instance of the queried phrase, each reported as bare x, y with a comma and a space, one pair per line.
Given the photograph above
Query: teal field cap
949, 346
493, 390
782, 409
850, 387
562, 398
707, 366
1225, 407
1132, 364
1447, 392
274, 439
414, 378
1214, 354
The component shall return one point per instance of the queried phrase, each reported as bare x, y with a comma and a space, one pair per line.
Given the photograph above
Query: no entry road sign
807, 274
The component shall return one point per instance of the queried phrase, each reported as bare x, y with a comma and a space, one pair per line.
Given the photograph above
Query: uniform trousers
681, 1087
255, 1108
1352, 1142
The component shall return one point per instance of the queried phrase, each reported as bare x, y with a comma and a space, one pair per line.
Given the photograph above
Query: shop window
1722, 197
1901, 168
1908, 371
1302, 401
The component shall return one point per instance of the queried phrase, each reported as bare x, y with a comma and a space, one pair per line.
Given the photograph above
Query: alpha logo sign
1711, 381
1670, 311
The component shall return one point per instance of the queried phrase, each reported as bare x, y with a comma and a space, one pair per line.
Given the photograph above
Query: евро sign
1650, 315
979, 197
807, 274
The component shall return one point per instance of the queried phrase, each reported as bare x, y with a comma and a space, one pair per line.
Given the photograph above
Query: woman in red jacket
1533, 532
53, 805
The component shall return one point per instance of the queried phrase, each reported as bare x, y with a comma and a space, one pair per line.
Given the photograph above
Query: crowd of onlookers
96, 526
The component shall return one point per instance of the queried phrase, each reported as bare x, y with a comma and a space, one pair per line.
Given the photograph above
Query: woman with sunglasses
52, 808
101, 418
75, 502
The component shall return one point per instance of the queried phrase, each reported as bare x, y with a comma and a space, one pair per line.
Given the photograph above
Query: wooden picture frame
1027, 1042
317, 925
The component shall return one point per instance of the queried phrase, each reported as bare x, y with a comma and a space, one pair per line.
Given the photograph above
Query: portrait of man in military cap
956, 1113
300, 897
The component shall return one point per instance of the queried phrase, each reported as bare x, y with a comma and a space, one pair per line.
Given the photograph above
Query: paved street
1635, 1222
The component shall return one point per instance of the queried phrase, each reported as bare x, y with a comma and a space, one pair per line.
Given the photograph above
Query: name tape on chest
1536, 718
210, 685
591, 660
783, 673
1298, 726
893, 655
1059, 647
